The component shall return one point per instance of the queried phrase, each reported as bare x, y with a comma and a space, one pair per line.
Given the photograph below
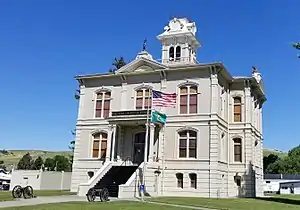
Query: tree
286, 165
61, 163
49, 164
296, 45
117, 63
72, 147
25, 162
38, 163
2, 165
271, 158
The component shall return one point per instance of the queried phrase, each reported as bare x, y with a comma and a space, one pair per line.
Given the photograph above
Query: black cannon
18, 191
93, 193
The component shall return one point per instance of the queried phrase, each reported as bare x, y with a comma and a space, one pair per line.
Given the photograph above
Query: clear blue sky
43, 44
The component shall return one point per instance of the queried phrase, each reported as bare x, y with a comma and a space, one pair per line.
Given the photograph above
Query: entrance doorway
139, 148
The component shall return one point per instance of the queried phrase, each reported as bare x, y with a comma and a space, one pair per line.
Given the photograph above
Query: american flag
160, 99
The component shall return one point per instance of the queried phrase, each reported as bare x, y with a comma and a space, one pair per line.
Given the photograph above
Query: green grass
7, 196
13, 156
118, 205
287, 202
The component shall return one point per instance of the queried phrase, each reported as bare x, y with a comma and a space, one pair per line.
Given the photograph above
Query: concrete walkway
41, 200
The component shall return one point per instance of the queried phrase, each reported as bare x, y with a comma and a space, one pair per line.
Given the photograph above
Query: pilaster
124, 95
114, 133
151, 142
119, 131
81, 102
247, 102
214, 91
109, 139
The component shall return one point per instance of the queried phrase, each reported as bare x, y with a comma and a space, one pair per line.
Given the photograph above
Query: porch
127, 138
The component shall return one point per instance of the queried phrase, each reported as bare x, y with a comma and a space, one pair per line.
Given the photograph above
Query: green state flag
158, 118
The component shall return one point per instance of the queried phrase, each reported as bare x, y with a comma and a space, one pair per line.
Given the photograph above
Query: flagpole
146, 141
163, 160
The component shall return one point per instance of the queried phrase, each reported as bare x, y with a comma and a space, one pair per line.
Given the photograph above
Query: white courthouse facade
212, 145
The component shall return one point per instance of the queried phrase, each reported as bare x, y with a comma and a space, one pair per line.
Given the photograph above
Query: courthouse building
212, 143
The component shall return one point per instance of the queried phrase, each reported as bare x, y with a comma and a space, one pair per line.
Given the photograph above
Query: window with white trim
237, 149
103, 104
179, 177
237, 109
187, 144
99, 145
188, 99
193, 180
143, 99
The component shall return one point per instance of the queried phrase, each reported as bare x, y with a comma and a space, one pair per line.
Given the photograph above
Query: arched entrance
138, 147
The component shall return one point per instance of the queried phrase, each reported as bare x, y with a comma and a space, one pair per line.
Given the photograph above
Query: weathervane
144, 44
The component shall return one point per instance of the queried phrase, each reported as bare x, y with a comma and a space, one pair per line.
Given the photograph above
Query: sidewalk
41, 200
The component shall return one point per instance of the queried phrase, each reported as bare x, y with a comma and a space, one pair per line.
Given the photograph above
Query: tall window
171, 53
99, 145
188, 99
187, 144
178, 53
193, 179
179, 177
237, 111
103, 104
237, 150
143, 99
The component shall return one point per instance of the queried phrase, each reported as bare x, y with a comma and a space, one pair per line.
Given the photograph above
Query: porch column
151, 142
114, 133
109, 139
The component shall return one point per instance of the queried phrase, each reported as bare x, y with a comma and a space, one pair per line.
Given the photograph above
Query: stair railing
126, 159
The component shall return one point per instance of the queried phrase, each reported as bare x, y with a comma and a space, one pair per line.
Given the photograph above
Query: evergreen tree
25, 162
118, 63
49, 164
38, 163
2, 165
61, 163
296, 45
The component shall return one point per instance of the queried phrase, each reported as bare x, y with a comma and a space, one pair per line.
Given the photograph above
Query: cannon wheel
17, 191
28, 192
91, 195
104, 195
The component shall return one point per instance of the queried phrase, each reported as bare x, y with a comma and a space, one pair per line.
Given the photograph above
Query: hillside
13, 156
275, 152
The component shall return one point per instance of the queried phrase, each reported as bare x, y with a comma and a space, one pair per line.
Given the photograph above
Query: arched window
179, 177
99, 145
237, 149
187, 144
178, 53
237, 110
103, 104
188, 99
171, 53
143, 99
193, 179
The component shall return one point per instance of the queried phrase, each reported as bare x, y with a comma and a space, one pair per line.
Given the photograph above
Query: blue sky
44, 44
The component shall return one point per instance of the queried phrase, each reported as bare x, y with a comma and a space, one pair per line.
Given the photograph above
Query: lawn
287, 202
118, 205
6, 195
